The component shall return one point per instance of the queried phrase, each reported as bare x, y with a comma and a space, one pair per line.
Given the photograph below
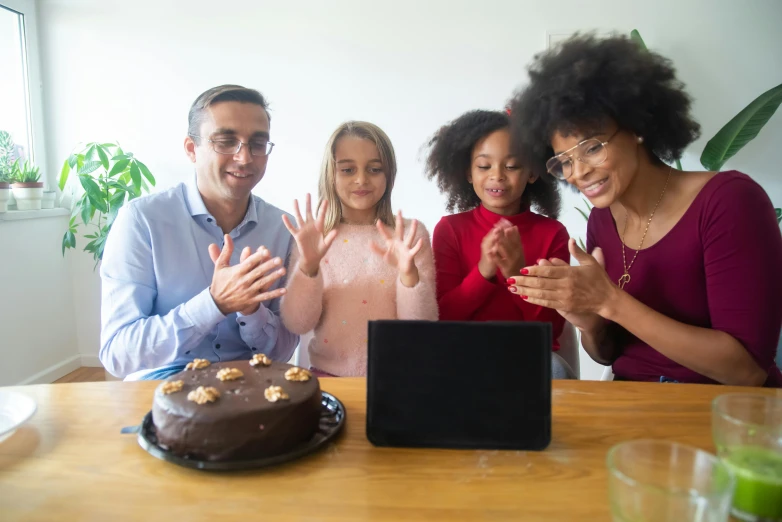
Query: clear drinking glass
747, 431
656, 481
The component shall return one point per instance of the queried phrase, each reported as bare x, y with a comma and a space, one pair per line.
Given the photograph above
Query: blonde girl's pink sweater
353, 286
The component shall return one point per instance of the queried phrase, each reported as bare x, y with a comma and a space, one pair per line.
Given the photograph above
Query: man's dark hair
219, 94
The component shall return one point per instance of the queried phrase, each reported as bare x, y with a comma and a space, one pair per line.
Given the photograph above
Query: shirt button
242, 323
209, 219
254, 348
187, 352
217, 346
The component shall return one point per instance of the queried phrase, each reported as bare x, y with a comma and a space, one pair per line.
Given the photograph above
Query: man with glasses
197, 271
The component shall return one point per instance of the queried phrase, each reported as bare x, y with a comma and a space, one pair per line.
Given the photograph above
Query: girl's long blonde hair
327, 188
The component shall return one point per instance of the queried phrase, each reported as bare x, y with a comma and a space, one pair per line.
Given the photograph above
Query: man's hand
243, 287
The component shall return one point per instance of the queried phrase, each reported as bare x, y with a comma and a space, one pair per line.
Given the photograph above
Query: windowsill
17, 215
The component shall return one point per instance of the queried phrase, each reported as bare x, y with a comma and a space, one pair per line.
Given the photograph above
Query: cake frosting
236, 410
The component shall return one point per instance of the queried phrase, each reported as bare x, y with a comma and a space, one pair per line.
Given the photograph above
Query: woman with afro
495, 234
683, 279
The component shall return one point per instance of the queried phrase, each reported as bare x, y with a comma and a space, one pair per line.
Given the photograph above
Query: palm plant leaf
741, 129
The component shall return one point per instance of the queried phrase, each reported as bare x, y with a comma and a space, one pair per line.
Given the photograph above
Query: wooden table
71, 463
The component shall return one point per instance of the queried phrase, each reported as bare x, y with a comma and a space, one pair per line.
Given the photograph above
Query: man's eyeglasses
232, 146
591, 152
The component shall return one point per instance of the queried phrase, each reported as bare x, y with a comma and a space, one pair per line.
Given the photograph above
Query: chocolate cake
236, 410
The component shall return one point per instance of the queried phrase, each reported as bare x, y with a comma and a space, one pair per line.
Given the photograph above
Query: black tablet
471, 385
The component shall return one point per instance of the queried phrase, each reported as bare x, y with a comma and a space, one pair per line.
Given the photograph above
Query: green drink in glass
747, 431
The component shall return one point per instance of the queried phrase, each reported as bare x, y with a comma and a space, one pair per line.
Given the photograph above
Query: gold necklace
625, 278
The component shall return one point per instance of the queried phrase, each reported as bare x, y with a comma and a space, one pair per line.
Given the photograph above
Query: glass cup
747, 431
656, 481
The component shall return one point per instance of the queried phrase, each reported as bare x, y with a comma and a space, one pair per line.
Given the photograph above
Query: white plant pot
28, 198
5, 195
48, 199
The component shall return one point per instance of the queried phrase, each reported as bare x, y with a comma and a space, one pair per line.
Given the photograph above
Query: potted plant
28, 190
6, 151
109, 177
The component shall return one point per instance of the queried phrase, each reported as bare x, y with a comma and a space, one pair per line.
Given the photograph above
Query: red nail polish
524, 297
511, 281
512, 289
524, 271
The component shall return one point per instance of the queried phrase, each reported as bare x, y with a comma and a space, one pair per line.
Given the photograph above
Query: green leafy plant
6, 156
741, 129
25, 172
110, 177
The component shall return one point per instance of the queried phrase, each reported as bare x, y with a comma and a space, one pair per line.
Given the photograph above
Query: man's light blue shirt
157, 311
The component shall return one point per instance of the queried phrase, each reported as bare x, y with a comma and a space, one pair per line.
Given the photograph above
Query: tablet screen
459, 384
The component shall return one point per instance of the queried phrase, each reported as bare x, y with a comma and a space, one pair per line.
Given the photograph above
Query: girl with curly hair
683, 277
495, 233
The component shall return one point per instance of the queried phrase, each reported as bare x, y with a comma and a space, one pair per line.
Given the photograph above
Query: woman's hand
309, 237
585, 321
399, 251
580, 290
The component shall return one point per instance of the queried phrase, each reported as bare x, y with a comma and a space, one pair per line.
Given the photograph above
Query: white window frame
38, 151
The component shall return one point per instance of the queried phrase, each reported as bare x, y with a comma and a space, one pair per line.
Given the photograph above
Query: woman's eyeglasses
591, 152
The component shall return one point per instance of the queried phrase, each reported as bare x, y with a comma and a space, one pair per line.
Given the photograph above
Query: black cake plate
332, 420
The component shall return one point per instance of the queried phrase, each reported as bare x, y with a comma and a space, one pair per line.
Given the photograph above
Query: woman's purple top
719, 267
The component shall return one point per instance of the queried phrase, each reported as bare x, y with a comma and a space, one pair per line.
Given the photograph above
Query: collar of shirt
490, 218
197, 207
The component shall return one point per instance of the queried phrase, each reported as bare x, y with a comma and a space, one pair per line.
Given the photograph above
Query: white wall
38, 340
129, 71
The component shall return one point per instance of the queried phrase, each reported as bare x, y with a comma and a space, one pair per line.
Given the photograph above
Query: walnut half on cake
242, 423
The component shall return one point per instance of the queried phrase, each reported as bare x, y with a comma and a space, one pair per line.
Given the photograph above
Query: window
14, 87
21, 108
